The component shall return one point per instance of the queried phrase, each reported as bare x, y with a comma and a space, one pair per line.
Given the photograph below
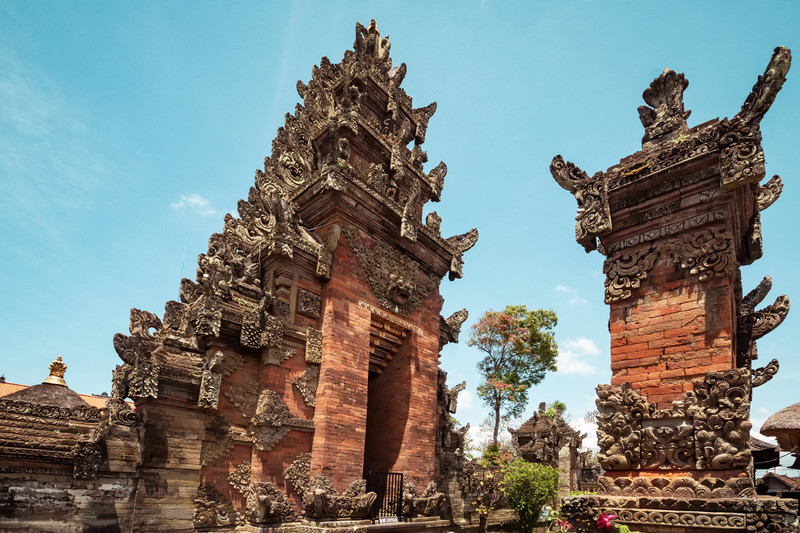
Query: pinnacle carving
665, 116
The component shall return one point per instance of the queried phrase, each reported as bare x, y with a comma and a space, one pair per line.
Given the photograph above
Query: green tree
520, 348
528, 487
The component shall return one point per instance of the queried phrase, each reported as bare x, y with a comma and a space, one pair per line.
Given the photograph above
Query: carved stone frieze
593, 218
309, 304
81, 413
625, 272
660, 233
764, 374
240, 477
667, 443
307, 383
677, 487
394, 278
769, 193
708, 254
661, 517
665, 117
266, 504
213, 510
450, 327
313, 352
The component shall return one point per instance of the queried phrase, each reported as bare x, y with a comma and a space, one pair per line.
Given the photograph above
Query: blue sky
128, 130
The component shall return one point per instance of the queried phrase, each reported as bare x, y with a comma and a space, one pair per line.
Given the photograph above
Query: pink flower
604, 521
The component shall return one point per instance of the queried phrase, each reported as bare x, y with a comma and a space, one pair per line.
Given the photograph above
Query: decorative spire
57, 370
665, 117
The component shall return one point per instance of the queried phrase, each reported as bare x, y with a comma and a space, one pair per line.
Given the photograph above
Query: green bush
528, 487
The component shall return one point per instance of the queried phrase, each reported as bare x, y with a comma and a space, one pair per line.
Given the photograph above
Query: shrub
528, 487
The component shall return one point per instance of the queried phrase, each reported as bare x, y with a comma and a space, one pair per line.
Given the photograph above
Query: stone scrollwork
307, 383
667, 443
244, 397
450, 327
665, 114
708, 254
297, 473
619, 428
265, 504
681, 487
394, 278
313, 352
769, 193
625, 272
272, 421
240, 477
213, 510
593, 218
764, 374
309, 304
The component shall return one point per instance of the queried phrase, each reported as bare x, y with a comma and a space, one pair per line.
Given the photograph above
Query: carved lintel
313, 352
594, 217
666, 116
625, 272
769, 193
307, 383
766, 373
707, 254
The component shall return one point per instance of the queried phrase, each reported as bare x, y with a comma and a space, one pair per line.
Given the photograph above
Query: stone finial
665, 114
57, 370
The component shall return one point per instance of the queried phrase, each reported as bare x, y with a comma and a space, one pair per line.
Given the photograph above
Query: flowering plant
605, 521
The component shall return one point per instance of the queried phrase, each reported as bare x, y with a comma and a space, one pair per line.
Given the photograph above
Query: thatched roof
48, 394
786, 420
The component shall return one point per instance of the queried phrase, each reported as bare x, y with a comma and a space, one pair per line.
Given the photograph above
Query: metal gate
389, 488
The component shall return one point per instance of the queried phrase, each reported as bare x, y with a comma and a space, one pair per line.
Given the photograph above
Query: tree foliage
520, 348
528, 487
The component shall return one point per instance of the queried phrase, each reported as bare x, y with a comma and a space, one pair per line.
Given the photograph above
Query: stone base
678, 515
429, 525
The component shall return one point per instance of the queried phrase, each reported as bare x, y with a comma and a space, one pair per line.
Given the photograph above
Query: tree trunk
482, 522
496, 421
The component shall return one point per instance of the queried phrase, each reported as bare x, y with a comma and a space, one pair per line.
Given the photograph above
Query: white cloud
564, 288
573, 354
579, 301
465, 399
590, 429
194, 202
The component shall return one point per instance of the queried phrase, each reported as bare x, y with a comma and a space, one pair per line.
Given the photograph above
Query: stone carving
309, 304
240, 477
458, 245
217, 440
297, 473
680, 487
625, 272
708, 254
326, 250
272, 421
250, 335
244, 397
307, 383
81, 414
276, 356
431, 501
764, 374
450, 327
542, 437
211, 381
769, 193
320, 499
356, 502
620, 411
752, 324
667, 443
207, 318
272, 333
434, 222
313, 353
741, 162
593, 218
720, 406
394, 278
767, 319
408, 225
212, 510
665, 116
87, 459
265, 504
765, 89
660, 517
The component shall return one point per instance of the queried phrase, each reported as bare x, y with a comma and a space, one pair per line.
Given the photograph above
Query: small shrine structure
676, 221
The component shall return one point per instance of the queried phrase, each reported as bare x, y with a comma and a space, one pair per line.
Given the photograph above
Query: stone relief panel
625, 272
313, 346
708, 254
668, 443
307, 383
309, 304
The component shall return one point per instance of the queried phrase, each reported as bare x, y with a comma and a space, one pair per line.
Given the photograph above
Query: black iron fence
389, 488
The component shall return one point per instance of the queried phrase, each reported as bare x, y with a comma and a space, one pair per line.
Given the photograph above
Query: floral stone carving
309, 304
307, 383
244, 397
625, 272
297, 473
667, 443
313, 346
708, 254
273, 421
240, 477
394, 278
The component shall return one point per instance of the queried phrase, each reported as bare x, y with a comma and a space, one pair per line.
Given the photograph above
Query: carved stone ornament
667, 443
753, 324
297, 473
434, 222
313, 352
619, 429
320, 499
307, 383
769, 193
625, 272
678, 487
88, 457
265, 504
450, 327
244, 397
213, 510
138, 377
665, 115
208, 397
408, 226
766, 88
458, 245
217, 440
276, 356
240, 477
764, 374
250, 335
356, 502
593, 218
309, 304
394, 278
272, 421
707, 254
